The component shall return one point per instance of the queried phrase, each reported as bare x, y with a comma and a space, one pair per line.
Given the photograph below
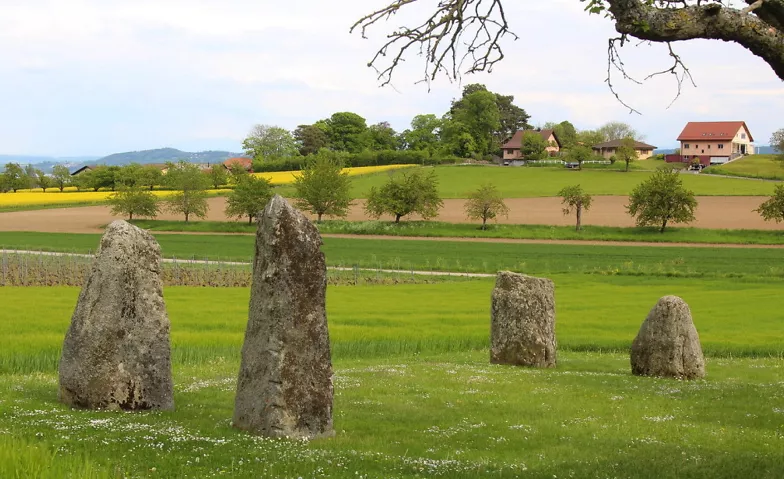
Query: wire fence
39, 268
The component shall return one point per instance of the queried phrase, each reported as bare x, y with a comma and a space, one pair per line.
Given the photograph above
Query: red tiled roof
246, 163
712, 130
517, 138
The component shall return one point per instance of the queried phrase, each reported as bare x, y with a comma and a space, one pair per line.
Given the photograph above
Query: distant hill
162, 155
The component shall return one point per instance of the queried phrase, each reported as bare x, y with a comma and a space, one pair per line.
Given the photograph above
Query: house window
721, 147
709, 147
743, 136
685, 146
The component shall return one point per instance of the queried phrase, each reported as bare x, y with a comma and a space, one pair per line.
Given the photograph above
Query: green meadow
755, 166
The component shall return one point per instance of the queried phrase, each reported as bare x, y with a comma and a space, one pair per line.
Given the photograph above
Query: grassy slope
461, 256
755, 166
439, 229
519, 182
446, 415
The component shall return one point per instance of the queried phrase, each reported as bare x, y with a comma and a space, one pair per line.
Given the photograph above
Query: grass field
694, 262
755, 166
436, 229
414, 393
520, 182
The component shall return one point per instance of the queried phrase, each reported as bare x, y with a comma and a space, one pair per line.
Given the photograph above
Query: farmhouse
81, 170
245, 163
608, 149
713, 142
511, 149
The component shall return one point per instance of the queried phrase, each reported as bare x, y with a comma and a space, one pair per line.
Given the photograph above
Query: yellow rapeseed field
287, 177
53, 196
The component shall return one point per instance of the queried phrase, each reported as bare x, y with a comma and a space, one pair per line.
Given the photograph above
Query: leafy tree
478, 113
486, 203
346, 132
218, 175
381, 136
43, 181
15, 177
191, 185
61, 176
589, 138
511, 117
565, 131
579, 154
150, 176
626, 152
777, 142
248, 198
129, 175
533, 146
457, 140
237, 173
266, 142
662, 199
310, 139
103, 177
423, 134
773, 208
134, 200
4, 188
617, 130
405, 193
574, 198
322, 187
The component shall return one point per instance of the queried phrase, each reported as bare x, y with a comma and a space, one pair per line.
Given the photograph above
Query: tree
381, 136
626, 152
43, 181
150, 176
405, 193
191, 185
565, 131
15, 177
134, 200
456, 139
478, 113
346, 132
310, 139
574, 198
773, 208
777, 142
248, 198
322, 187
533, 146
479, 27
218, 176
589, 138
511, 117
662, 199
617, 130
486, 203
424, 133
61, 176
129, 175
579, 154
266, 142
103, 177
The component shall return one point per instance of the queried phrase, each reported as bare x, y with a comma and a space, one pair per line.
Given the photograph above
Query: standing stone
522, 330
285, 380
116, 353
667, 344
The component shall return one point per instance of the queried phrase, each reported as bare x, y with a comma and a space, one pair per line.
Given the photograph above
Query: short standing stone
667, 344
522, 330
117, 353
284, 387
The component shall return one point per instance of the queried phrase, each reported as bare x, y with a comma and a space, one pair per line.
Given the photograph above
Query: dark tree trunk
579, 217
319, 218
61, 189
484, 222
250, 219
627, 166
186, 217
664, 225
130, 216
397, 218
151, 187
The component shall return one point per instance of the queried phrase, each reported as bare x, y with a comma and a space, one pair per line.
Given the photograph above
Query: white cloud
97, 76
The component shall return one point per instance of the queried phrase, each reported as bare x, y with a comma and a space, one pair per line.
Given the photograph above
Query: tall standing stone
522, 330
117, 353
285, 380
667, 344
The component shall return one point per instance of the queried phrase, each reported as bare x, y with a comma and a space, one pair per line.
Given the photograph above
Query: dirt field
727, 212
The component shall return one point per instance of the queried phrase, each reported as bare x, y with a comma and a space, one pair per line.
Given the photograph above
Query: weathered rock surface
285, 380
667, 344
117, 353
522, 330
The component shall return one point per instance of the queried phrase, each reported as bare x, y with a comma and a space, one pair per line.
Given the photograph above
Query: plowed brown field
725, 212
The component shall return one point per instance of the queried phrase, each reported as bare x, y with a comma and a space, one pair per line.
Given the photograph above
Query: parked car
572, 164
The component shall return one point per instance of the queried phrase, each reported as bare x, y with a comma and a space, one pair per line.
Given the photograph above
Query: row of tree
475, 126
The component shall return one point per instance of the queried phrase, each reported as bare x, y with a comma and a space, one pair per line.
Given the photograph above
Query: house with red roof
245, 163
715, 142
511, 149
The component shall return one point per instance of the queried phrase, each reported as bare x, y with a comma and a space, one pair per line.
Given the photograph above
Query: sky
95, 77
